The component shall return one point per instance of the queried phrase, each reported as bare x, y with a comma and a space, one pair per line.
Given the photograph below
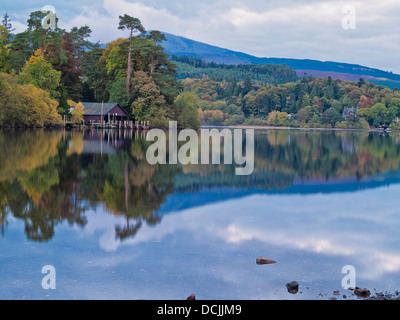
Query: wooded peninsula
47, 73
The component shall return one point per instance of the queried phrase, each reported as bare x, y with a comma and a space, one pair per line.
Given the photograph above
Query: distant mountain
181, 46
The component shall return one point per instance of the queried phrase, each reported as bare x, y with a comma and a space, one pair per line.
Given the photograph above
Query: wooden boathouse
109, 116
97, 112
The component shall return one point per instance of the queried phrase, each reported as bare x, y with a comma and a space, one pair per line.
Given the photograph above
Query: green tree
118, 93
7, 24
156, 37
94, 74
247, 85
20, 50
331, 116
40, 37
185, 111
4, 62
395, 104
305, 100
63, 107
133, 25
378, 114
80, 42
114, 58
41, 74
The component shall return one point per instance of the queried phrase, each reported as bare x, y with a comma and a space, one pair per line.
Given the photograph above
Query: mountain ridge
181, 46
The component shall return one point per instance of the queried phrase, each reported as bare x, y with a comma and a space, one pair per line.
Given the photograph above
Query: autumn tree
4, 62
42, 109
306, 113
149, 104
277, 118
26, 105
185, 111
69, 68
77, 112
365, 102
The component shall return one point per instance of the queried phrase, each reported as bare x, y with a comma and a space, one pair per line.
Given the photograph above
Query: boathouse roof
98, 108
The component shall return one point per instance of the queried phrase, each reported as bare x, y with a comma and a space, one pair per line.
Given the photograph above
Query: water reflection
50, 176
315, 202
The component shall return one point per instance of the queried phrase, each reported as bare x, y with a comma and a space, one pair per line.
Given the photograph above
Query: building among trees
97, 112
349, 112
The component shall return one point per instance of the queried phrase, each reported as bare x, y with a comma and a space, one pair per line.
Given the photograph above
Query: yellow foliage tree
26, 105
77, 112
277, 118
42, 109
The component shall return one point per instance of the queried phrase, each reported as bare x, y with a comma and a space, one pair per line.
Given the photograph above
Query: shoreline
298, 128
255, 127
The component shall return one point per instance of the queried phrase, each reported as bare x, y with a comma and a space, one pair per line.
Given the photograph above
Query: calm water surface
115, 227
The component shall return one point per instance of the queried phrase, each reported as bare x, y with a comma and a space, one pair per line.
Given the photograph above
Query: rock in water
362, 293
262, 260
292, 287
191, 297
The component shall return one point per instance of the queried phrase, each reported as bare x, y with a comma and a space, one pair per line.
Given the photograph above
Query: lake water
114, 227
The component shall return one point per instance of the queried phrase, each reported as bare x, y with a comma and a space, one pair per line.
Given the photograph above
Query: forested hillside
191, 67
309, 102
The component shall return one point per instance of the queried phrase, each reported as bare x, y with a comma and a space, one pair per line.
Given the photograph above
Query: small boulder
292, 287
336, 292
362, 293
262, 260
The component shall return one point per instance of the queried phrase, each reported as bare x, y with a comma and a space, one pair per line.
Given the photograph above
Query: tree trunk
152, 59
42, 50
42, 58
129, 71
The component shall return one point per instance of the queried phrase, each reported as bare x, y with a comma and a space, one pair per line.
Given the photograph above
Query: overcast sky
286, 28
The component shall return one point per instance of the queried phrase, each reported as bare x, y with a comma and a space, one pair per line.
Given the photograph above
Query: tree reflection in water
47, 177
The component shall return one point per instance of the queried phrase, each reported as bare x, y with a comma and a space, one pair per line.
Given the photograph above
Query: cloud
103, 26
320, 13
104, 20
160, 19
289, 29
349, 230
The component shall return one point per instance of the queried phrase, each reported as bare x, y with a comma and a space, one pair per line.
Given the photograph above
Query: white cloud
104, 21
160, 19
289, 29
349, 230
